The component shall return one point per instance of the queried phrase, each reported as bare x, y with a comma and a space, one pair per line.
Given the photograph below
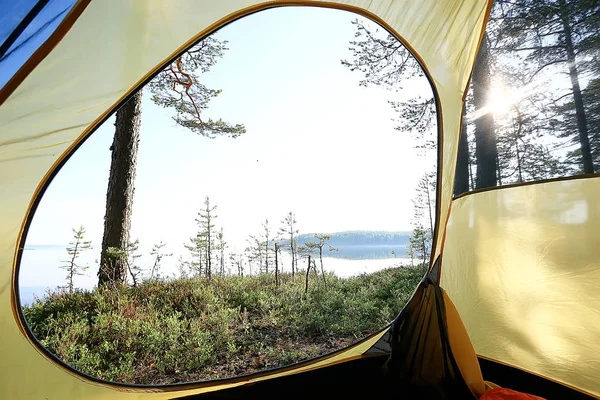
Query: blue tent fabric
11, 14
33, 36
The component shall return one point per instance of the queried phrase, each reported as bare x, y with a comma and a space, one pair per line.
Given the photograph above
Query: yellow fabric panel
522, 266
462, 349
117, 43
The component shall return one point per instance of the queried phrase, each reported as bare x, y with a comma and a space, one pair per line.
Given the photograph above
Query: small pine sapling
76, 247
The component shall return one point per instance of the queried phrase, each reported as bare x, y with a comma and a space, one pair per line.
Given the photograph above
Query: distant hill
361, 238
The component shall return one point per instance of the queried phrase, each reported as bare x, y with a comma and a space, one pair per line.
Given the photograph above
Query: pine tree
522, 154
196, 247
277, 248
207, 233
202, 246
426, 198
485, 133
130, 256
158, 255
184, 268
289, 230
237, 260
424, 206
461, 181
254, 252
119, 195
591, 98
323, 241
565, 122
177, 87
76, 247
220, 247
385, 61
557, 35
306, 251
419, 244
266, 243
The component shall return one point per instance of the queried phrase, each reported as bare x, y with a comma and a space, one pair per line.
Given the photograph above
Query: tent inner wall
521, 264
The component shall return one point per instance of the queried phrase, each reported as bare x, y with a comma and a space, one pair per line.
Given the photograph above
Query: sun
501, 101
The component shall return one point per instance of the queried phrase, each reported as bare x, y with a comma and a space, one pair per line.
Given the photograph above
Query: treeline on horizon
362, 238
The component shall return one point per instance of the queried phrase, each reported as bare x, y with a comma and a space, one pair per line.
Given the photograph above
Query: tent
512, 295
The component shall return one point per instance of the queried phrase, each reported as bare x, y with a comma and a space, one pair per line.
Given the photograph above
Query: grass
194, 329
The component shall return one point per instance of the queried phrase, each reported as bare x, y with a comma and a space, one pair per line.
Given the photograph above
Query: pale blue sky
316, 144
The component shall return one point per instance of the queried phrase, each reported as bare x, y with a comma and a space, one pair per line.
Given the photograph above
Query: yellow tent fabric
520, 263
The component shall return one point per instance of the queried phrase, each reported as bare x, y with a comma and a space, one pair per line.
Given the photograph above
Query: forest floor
195, 329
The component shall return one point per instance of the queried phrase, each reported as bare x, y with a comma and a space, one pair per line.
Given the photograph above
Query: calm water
40, 266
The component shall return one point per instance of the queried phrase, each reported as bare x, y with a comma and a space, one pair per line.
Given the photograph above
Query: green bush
195, 329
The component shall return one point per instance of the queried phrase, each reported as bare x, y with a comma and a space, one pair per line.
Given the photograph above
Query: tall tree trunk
72, 266
425, 252
119, 196
208, 253
267, 257
293, 248
520, 170
222, 262
485, 135
429, 205
314, 263
498, 170
322, 270
200, 262
133, 278
307, 272
586, 152
276, 264
461, 181
471, 174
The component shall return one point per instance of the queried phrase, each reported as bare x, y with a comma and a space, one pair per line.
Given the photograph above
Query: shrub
194, 329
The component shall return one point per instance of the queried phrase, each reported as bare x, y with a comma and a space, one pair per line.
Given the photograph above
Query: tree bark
276, 264
208, 251
293, 248
72, 266
586, 152
222, 261
307, 272
520, 170
119, 196
322, 269
461, 181
485, 135
429, 206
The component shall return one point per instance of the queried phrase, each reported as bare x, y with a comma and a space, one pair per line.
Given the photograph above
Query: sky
317, 144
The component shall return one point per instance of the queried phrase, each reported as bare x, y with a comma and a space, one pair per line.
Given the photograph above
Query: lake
40, 265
